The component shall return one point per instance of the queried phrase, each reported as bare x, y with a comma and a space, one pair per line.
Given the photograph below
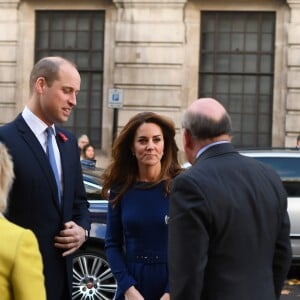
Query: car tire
92, 276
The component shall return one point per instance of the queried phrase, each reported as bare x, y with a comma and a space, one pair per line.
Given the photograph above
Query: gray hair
6, 176
202, 127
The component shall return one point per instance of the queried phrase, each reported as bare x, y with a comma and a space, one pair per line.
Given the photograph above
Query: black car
92, 277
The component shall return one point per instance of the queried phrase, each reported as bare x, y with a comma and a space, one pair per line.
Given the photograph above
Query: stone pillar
8, 58
293, 77
149, 56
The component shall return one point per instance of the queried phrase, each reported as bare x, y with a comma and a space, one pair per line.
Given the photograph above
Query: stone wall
293, 78
149, 57
8, 58
152, 54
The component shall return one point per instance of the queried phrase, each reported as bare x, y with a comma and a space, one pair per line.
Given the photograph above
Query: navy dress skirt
137, 239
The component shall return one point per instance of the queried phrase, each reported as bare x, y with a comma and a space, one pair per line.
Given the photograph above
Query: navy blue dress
136, 241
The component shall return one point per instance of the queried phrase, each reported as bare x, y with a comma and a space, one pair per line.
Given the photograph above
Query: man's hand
70, 238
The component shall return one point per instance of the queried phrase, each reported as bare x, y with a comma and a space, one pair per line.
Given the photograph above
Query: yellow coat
21, 269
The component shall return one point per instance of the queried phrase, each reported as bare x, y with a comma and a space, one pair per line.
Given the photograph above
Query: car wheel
92, 276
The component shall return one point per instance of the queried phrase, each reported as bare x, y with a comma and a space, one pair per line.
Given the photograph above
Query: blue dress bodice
137, 239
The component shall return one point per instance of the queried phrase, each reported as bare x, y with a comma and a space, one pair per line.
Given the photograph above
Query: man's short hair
202, 127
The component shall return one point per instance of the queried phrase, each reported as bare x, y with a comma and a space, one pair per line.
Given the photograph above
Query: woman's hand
165, 296
133, 294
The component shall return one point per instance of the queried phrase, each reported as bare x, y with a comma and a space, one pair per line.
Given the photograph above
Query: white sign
115, 98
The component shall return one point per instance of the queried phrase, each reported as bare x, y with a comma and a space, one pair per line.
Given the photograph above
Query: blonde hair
6, 176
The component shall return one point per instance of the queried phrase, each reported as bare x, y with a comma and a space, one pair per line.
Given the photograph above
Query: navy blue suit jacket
228, 229
33, 199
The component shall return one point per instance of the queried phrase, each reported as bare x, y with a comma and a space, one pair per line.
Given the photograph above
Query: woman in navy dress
137, 182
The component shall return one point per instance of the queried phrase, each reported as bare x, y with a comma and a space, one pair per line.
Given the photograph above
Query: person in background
48, 195
228, 227
82, 141
144, 162
298, 142
88, 160
21, 268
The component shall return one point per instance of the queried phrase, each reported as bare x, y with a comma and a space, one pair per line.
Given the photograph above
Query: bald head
208, 107
206, 118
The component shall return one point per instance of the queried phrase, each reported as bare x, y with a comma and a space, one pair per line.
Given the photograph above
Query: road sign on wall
115, 98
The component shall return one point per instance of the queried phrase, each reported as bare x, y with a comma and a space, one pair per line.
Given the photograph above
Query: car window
288, 169
93, 175
93, 191
92, 184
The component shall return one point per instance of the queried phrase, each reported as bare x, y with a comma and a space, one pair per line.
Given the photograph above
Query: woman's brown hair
123, 170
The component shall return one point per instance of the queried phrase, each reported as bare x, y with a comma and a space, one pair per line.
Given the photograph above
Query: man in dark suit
54, 208
229, 226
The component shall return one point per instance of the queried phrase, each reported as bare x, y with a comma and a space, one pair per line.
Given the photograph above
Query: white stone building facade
151, 51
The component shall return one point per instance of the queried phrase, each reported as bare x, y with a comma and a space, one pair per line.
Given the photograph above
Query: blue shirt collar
208, 146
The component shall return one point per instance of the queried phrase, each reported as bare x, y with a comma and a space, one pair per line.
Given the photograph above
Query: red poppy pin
62, 136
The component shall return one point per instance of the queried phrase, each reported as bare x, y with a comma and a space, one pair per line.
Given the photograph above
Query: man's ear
190, 145
40, 85
187, 139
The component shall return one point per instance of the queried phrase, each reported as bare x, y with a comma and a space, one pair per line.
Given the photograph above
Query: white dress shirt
38, 127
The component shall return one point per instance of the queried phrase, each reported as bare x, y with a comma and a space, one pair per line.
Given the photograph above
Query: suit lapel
64, 146
39, 153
